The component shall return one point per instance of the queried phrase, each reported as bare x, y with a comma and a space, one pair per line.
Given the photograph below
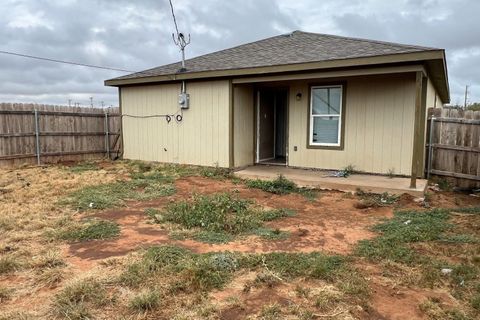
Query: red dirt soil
330, 223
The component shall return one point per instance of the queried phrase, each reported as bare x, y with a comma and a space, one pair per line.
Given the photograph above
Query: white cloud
96, 48
28, 20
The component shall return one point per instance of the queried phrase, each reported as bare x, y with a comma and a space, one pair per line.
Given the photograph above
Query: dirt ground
332, 223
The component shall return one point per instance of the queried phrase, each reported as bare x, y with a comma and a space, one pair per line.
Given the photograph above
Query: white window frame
312, 116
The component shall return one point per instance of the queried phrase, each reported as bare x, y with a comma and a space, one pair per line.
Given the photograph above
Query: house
301, 99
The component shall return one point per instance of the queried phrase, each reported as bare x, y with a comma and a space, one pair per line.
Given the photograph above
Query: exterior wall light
299, 96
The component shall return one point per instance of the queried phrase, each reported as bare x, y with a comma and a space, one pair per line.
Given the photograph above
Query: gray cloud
136, 35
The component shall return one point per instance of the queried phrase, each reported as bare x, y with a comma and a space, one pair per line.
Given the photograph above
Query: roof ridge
367, 40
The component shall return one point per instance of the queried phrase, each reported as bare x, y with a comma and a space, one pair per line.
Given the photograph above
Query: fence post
430, 147
37, 136
107, 138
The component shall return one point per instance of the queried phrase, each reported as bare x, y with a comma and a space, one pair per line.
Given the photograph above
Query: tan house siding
202, 138
243, 125
379, 120
433, 99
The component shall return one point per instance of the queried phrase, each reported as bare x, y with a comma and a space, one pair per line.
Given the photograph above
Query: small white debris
383, 200
434, 187
446, 271
90, 205
419, 199
407, 222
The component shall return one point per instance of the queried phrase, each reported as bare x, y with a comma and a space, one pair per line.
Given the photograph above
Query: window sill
312, 146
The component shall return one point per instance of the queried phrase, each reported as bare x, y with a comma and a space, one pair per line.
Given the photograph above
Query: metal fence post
107, 138
37, 136
430, 147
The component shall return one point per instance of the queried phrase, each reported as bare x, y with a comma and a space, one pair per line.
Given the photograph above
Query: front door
265, 125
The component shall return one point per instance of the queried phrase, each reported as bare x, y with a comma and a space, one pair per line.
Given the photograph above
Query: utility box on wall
184, 100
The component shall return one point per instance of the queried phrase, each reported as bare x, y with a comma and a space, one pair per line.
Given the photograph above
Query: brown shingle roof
292, 48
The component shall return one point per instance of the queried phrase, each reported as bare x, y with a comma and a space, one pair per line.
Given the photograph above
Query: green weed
76, 300
218, 218
212, 237
83, 167
270, 215
347, 171
141, 187
216, 172
271, 234
154, 214
376, 200
218, 213
271, 312
468, 210
475, 302
280, 185
313, 265
405, 227
391, 173
145, 301
9, 264
91, 230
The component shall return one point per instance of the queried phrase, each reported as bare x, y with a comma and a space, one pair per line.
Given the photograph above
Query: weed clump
141, 186
218, 218
9, 264
145, 301
201, 272
91, 230
76, 300
372, 200
405, 227
219, 213
313, 265
216, 173
83, 167
280, 185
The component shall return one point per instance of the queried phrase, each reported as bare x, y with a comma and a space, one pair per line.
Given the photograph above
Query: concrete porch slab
321, 180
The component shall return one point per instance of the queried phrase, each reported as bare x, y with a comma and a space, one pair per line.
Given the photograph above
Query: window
326, 116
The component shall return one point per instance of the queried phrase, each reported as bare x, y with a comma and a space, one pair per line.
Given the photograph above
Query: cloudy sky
136, 35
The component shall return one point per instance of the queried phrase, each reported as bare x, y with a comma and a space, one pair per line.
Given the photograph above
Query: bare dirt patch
330, 223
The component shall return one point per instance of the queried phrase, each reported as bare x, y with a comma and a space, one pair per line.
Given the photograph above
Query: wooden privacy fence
48, 134
453, 146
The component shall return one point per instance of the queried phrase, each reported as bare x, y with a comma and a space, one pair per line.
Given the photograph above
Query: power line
64, 62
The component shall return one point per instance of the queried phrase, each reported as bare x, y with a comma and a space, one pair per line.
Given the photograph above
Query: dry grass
40, 279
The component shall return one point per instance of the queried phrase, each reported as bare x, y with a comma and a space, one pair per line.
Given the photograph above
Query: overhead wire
63, 61
178, 116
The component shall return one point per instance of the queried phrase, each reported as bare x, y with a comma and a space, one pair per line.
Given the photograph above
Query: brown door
266, 125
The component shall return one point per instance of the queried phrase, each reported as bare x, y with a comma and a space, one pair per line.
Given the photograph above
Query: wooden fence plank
65, 133
456, 146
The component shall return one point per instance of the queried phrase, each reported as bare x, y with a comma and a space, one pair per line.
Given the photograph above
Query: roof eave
338, 63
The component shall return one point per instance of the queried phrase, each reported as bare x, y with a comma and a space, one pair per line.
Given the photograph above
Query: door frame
257, 92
